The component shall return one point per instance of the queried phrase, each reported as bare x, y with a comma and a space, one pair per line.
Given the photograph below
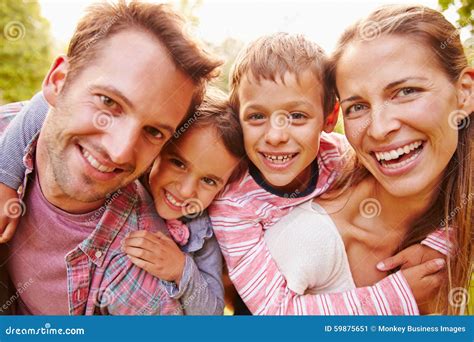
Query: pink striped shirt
241, 215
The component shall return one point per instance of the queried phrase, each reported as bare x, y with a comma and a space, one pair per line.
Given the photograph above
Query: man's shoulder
8, 112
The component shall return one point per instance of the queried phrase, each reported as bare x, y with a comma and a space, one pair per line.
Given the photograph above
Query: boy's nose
276, 136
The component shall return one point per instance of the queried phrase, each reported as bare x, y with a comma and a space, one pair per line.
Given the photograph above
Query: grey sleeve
201, 291
13, 142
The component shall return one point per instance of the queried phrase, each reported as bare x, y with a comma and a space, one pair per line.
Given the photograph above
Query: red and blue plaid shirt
101, 279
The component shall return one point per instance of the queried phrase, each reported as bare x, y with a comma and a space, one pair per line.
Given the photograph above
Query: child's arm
194, 280
27, 121
263, 288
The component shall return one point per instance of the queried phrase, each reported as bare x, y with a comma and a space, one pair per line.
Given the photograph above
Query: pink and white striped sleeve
440, 240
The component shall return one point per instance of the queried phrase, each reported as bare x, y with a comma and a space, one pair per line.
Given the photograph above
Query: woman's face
191, 172
400, 112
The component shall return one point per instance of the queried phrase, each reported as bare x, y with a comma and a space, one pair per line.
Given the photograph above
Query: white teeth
396, 153
173, 200
95, 164
402, 163
278, 159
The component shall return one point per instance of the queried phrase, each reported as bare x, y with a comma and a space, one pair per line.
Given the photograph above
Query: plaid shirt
101, 279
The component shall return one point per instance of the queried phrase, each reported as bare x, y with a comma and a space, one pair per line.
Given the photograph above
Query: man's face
110, 122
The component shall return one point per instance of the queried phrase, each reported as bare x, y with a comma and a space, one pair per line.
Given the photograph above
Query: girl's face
400, 112
191, 172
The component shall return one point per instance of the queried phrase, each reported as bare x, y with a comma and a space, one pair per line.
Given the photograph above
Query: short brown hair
102, 20
271, 56
216, 112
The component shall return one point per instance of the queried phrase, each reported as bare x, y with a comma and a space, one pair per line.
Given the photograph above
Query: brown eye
107, 101
154, 132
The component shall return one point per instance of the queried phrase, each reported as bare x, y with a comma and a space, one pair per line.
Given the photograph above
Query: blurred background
33, 32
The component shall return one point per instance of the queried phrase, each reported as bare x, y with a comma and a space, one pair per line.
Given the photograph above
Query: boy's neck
304, 184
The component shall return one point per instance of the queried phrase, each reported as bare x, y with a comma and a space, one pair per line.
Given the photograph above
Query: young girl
203, 156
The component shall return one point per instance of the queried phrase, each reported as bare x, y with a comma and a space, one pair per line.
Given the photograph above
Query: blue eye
154, 132
356, 108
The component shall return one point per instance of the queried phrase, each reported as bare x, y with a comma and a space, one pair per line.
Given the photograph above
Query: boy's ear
55, 79
331, 119
466, 91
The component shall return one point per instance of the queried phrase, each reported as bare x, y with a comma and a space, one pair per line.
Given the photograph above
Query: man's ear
465, 86
55, 79
331, 119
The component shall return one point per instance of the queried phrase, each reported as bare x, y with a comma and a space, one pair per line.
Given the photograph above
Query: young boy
278, 89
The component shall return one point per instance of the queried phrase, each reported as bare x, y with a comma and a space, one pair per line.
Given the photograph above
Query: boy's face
191, 172
282, 123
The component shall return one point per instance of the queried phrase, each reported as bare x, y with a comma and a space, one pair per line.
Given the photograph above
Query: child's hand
410, 256
11, 209
155, 253
425, 280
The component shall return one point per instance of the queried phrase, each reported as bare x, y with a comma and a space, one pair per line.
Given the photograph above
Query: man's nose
121, 142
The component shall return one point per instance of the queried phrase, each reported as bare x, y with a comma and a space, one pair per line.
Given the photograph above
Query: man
130, 77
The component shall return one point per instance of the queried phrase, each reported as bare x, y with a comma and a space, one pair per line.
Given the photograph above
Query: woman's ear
466, 91
331, 119
55, 79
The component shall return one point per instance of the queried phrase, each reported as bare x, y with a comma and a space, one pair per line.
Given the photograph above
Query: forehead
289, 88
138, 65
205, 150
382, 60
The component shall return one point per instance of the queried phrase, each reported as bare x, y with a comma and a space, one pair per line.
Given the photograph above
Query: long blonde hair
453, 205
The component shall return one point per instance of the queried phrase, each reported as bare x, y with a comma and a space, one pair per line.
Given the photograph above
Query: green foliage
25, 52
464, 10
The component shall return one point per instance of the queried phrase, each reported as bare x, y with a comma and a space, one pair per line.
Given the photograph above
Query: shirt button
98, 254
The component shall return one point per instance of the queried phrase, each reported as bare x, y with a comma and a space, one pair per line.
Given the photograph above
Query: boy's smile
282, 121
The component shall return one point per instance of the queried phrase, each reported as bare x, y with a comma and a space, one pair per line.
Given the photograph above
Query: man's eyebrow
403, 80
113, 91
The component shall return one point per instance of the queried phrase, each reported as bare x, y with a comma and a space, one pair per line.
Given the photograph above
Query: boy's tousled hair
271, 57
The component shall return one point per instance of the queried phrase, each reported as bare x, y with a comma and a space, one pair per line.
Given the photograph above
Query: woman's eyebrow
403, 80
